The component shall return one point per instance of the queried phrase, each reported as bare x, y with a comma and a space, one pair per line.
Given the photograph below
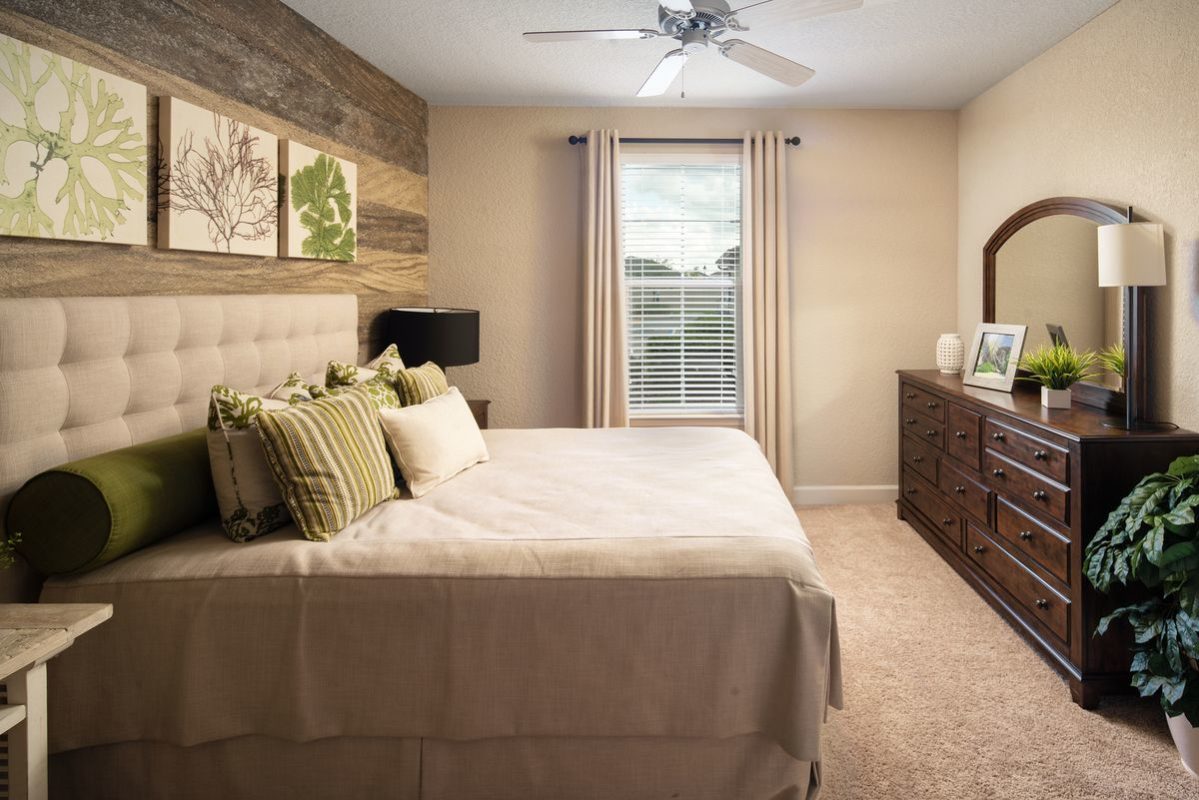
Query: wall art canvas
218, 182
320, 205
72, 149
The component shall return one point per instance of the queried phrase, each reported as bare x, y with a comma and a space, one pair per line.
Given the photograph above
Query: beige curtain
605, 376
767, 296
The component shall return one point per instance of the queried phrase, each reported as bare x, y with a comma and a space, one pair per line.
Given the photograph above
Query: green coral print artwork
317, 192
320, 221
72, 149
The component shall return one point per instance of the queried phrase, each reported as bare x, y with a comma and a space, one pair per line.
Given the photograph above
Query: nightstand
30, 635
479, 409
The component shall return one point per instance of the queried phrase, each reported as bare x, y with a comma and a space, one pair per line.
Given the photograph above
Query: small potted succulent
1151, 541
1057, 368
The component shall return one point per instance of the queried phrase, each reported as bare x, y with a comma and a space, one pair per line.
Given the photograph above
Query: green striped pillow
421, 383
330, 459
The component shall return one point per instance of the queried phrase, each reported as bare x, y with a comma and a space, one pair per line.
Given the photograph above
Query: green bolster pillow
87, 513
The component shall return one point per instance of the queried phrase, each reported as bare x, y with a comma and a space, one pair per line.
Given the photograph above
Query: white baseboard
843, 495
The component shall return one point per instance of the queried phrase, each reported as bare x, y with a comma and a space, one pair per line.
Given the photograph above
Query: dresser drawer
1037, 597
1043, 545
924, 429
920, 457
1014, 482
920, 401
1036, 454
945, 520
972, 496
962, 434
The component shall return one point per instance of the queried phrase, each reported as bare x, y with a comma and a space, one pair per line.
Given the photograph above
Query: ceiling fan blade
663, 75
772, 65
801, 9
586, 36
678, 6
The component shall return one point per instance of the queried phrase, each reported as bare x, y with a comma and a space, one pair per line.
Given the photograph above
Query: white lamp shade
1132, 254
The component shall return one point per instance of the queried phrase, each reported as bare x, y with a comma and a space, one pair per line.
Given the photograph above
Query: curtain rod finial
792, 140
577, 140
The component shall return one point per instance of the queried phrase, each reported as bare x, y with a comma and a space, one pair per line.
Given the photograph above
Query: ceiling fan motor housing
709, 16
694, 41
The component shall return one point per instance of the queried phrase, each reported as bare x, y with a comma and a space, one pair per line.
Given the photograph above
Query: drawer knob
978, 548
947, 521
910, 421
960, 489
909, 396
909, 491
930, 434
917, 459
1040, 455
931, 404
1042, 604
960, 434
1025, 535
997, 472
1040, 494
998, 436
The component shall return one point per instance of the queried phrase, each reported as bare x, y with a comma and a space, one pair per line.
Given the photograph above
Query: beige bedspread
650, 582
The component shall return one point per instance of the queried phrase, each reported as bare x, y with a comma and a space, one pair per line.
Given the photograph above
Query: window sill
702, 421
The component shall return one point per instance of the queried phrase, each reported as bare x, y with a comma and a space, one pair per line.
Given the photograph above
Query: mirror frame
1089, 394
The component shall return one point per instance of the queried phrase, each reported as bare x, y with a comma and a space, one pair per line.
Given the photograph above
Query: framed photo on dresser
992, 360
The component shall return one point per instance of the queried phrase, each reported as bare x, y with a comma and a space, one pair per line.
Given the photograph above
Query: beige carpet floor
944, 700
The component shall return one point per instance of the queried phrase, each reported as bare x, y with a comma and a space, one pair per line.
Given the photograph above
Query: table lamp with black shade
449, 337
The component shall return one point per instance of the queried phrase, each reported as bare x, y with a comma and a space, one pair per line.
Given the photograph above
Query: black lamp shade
449, 337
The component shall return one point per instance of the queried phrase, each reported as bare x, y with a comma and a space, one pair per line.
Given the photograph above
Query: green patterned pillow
294, 390
339, 373
248, 498
387, 361
421, 383
381, 389
330, 458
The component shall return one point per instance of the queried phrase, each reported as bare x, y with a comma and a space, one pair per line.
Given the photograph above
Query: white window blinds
681, 232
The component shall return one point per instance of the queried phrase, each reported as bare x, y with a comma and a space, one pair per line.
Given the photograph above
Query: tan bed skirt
750, 767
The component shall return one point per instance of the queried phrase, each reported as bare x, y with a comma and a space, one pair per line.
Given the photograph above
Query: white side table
30, 635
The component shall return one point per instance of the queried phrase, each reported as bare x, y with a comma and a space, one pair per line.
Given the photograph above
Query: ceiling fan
698, 25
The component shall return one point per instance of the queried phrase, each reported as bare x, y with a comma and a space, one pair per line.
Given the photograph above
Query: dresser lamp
449, 337
1133, 255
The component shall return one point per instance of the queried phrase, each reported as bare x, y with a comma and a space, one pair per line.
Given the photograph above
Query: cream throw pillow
434, 440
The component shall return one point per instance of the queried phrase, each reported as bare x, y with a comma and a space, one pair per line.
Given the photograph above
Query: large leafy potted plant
1057, 368
1151, 540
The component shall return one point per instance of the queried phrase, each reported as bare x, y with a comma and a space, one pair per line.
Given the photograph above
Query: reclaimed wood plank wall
261, 63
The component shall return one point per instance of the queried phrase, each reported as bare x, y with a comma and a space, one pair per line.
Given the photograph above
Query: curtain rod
791, 140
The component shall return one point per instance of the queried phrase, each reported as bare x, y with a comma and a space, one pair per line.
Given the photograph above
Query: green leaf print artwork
320, 195
72, 149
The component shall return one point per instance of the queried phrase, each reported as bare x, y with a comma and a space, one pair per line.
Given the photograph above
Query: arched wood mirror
1040, 269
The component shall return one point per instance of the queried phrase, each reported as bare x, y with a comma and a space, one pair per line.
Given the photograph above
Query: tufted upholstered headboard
84, 375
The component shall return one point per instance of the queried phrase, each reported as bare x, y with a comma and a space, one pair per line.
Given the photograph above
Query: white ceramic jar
951, 354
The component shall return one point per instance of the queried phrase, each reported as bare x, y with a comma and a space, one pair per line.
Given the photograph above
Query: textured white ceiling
888, 54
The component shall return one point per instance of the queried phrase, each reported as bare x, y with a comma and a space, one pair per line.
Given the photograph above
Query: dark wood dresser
1009, 493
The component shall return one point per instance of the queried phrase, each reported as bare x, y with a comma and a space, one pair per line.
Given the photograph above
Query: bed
591, 613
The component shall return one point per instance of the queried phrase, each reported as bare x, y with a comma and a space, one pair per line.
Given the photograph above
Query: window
681, 241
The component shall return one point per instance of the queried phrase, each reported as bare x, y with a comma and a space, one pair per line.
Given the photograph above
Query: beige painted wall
1111, 112
873, 232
